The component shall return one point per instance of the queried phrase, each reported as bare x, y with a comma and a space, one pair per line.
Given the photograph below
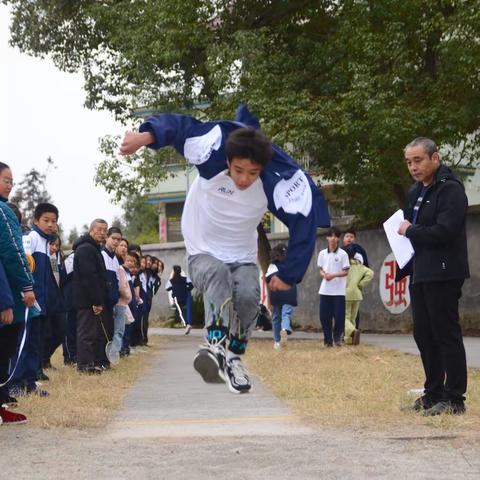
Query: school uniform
332, 294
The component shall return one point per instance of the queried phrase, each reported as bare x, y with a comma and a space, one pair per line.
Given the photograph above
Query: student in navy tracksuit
70, 338
114, 236
56, 323
45, 219
282, 301
130, 265
241, 176
179, 286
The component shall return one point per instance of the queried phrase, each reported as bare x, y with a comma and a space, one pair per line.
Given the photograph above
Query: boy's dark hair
134, 247
3, 166
351, 231
113, 230
334, 231
249, 143
278, 253
42, 208
12, 206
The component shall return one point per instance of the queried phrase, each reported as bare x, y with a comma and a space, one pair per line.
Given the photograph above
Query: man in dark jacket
90, 295
435, 224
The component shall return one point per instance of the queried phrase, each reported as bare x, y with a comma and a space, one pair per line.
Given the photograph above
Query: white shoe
187, 329
277, 346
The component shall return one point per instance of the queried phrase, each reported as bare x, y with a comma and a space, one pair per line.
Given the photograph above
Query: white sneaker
276, 345
236, 376
187, 329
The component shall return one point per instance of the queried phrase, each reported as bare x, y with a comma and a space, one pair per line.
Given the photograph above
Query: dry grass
83, 401
361, 387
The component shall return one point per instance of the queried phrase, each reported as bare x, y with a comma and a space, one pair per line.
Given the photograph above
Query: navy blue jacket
292, 196
36, 244
6, 298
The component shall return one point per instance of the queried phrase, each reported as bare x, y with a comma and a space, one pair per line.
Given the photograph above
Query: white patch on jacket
293, 195
197, 150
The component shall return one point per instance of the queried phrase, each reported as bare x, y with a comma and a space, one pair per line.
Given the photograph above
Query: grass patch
83, 401
360, 387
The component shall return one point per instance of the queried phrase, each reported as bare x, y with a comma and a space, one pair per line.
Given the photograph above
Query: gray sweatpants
231, 292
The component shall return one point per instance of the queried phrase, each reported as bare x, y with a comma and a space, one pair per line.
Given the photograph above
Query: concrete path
172, 400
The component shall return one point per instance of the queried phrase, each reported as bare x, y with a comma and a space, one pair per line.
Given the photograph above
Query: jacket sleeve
366, 278
6, 298
12, 254
451, 209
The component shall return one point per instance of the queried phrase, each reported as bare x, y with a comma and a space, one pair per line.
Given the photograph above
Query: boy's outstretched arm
132, 141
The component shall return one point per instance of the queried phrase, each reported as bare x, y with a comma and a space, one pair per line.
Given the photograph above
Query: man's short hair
427, 144
334, 231
42, 208
249, 143
351, 231
113, 230
97, 220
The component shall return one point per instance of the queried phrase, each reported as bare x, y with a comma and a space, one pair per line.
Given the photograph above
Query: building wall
374, 315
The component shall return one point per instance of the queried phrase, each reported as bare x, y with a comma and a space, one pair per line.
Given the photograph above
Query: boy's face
113, 241
47, 223
348, 239
332, 242
243, 172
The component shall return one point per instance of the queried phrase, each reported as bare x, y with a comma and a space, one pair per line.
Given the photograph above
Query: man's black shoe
420, 404
445, 407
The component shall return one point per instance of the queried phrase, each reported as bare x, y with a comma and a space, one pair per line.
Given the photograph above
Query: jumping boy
241, 175
334, 265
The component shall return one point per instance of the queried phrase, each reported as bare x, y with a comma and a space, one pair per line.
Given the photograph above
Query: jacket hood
444, 173
85, 239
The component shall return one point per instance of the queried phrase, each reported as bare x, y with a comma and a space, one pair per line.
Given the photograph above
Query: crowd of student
95, 303
344, 273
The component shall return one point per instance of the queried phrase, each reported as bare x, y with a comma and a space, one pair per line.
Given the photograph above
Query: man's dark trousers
438, 335
8, 344
89, 337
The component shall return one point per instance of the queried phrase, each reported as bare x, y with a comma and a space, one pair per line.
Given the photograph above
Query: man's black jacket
438, 236
89, 274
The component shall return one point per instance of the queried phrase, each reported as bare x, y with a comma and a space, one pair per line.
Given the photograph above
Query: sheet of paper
401, 246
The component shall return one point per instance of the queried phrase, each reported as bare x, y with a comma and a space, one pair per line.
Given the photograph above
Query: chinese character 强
397, 290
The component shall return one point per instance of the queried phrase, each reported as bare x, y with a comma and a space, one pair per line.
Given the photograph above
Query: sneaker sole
207, 366
19, 422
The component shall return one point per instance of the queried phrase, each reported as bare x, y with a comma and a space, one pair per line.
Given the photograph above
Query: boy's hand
276, 284
328, 276
6, 316
97, 309
135, 140
29, 298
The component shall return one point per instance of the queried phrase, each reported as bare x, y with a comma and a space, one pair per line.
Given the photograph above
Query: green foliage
348, 83
140, 220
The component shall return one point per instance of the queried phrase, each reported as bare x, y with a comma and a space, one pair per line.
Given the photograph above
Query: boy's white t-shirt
221, 220
333, 262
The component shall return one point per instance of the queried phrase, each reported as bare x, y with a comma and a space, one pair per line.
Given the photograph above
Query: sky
42, 115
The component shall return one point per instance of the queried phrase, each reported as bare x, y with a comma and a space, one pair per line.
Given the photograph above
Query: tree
30, 192
348, 83
73, 236
140, 220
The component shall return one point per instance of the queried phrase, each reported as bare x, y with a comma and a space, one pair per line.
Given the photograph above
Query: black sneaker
42, 377
10, 401
445, 407
209, 362
420, 404
236, 376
